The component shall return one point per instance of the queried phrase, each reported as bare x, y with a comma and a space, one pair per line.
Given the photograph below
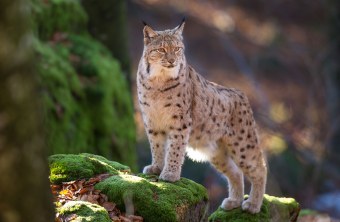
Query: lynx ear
148, 33
179, 29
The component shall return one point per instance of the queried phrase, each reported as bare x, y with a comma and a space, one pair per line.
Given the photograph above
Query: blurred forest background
67, 85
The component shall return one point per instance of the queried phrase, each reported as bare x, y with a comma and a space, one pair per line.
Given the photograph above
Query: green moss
305, 212
88, 106
72, 167
154, 201
84, 212
287, 208
237, 215
272, 207
58, 16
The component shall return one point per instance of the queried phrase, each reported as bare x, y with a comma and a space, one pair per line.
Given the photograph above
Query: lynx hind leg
257, 175
247, 155
224, 164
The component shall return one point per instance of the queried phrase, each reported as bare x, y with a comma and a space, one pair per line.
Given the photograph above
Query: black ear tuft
181, 24
179, 29
183, 20
144, 23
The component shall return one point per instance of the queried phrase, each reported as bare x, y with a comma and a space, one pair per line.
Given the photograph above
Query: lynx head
163, 50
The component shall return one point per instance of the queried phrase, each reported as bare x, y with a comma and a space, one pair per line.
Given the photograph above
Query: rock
142, 195
82, 211
274, 209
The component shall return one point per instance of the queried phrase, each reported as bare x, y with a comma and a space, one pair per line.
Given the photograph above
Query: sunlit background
276, 52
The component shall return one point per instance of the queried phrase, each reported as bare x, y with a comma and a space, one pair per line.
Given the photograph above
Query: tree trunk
332, 75
107, 23
24, 188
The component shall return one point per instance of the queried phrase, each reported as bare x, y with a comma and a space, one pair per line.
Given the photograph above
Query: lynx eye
161, 50
177, 49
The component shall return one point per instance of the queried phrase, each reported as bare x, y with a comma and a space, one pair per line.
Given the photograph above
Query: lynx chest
159, 108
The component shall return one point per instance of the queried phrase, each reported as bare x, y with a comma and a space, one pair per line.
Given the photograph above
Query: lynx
183, 113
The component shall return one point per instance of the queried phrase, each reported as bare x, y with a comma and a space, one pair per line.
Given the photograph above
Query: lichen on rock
273, 209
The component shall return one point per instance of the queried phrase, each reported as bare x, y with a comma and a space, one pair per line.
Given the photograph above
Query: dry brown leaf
135, 218
71, 217
115, 218
57, 219
124, 219
104, 176
93, 181
103, 197
96, 192
92, 199
109, 206
55, 187
82, 191
84, 197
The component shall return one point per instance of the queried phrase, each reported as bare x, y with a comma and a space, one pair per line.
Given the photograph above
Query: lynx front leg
157, 143
175, 154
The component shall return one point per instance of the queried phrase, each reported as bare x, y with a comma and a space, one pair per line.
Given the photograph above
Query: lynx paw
230, 203
152, 169
251, 207
169, 176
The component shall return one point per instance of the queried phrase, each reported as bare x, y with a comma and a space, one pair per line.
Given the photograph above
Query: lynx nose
172, 60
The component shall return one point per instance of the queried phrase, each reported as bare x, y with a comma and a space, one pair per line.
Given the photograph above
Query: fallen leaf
82, 191
71, 217
135, 218
124, 219
115, 218
109, 206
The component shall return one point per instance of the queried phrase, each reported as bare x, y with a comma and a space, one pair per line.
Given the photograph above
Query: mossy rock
273, 209
82, 211
68, 167
156, 200
143, 195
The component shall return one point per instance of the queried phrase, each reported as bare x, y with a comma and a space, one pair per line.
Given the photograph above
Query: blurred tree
24, 187
87, 102
107, 23
332, 71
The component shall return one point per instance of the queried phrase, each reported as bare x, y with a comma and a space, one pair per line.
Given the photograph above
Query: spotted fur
185, 113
